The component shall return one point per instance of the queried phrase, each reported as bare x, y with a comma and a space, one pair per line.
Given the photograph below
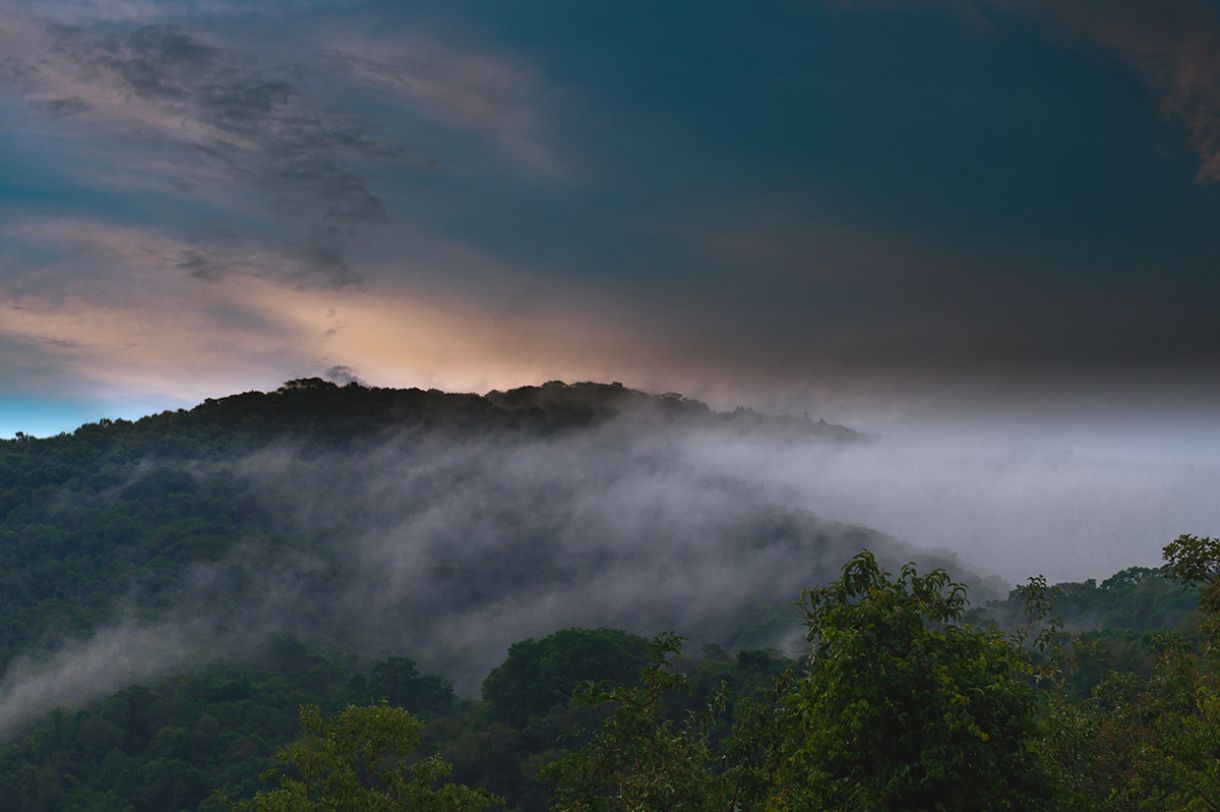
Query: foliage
361, 760
1150, 740
643, 759
397, 680
169, 745
119, 512
1137, 599
540, 674
901, 707
1195, 561
906, 708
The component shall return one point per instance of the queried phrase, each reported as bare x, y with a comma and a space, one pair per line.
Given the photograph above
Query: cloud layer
1173, 45
841, 207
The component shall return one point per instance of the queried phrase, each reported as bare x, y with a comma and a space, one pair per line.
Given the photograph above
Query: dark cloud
198, 264
1173, 45
854, 307
225, 106
342, 374
62, 342
17, 73
66, 107
870, 200
213, 254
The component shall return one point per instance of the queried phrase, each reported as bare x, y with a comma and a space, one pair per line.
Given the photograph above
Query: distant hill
313, 407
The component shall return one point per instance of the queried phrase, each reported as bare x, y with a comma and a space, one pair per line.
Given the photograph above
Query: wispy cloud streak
210, 117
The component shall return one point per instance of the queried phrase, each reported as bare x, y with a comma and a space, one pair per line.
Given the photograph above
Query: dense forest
900, 702
348, 598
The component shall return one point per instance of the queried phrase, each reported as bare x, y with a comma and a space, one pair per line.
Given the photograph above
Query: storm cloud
1171, 44
221, 106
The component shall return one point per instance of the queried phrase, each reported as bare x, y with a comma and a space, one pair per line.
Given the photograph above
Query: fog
115, 657
451, 550
449, 546
1010, 507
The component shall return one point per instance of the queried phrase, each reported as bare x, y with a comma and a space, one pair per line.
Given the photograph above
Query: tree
1151, 741
541, 674
905, 708
1195, 561
902, 707
361, 760
398, 681
643, 759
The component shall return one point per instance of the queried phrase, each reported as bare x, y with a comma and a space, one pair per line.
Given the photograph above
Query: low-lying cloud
449, 547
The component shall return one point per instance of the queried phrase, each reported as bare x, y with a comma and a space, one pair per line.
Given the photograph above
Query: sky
880, 210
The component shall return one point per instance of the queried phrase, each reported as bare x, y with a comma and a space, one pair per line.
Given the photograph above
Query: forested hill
448, 525
173, 589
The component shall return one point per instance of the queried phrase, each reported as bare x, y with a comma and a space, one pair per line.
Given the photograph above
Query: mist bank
1068, 505
446, 527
